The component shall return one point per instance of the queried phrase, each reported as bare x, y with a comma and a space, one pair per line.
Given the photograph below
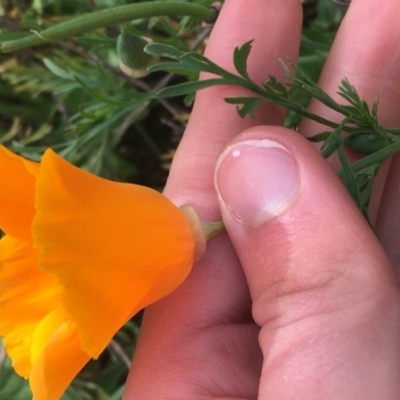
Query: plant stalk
376, 157
110, 16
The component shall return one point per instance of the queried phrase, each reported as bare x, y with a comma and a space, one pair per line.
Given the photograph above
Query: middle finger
366, 50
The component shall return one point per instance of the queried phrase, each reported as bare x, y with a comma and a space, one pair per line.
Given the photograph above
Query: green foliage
72, 96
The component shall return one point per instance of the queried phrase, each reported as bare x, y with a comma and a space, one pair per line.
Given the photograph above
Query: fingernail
256, 180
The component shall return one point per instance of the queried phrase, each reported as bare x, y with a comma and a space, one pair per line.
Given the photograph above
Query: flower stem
202, 231
210, 229
99, 19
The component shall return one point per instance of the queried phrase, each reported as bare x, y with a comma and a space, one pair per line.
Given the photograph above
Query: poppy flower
80, 256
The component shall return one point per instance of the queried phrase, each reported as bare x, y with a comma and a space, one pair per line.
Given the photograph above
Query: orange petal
60, 361
114, 247
27, 295
17, 194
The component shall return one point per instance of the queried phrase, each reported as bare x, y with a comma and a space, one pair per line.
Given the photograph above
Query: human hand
301, 301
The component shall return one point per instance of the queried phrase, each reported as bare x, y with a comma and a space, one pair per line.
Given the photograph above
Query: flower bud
367, 143
133, 61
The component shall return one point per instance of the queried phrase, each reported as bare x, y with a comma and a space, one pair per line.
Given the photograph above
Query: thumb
323, 291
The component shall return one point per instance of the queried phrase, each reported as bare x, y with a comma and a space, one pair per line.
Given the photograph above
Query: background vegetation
71, 95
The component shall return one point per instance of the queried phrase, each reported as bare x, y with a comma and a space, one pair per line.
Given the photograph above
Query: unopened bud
133, 61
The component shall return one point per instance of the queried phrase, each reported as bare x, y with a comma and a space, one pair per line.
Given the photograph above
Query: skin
312, 309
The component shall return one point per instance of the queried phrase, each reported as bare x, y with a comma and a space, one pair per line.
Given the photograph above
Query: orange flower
80, 257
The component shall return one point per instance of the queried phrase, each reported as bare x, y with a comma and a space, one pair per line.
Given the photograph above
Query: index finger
275, 26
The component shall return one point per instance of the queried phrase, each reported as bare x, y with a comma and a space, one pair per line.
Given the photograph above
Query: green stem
110, 16
210, 229
374, 158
